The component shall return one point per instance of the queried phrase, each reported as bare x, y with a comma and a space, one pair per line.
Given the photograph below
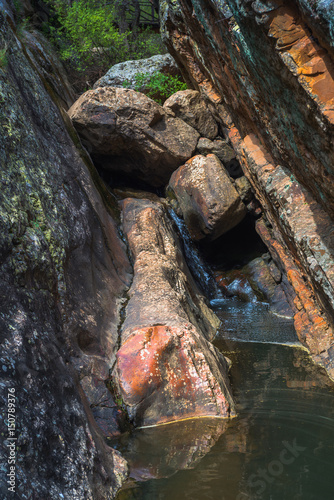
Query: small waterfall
197, 266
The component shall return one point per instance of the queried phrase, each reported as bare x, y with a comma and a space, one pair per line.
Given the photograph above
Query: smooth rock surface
50, 68
166, 368
126, 131
191, 108
208, 200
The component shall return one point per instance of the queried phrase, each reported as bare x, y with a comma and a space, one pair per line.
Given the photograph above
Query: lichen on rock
63, 272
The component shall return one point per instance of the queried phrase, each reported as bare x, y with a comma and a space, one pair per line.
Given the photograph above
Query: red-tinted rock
169, 373
208, 200
127, 132
166, 369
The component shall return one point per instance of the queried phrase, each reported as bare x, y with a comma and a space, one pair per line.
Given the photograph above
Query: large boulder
166, 368
210, 204
127, 132
124, 74
190, 107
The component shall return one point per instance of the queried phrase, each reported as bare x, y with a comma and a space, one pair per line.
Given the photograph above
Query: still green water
281, 445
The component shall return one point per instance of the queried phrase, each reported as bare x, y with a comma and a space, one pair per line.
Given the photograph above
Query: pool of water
281, 445
253, 322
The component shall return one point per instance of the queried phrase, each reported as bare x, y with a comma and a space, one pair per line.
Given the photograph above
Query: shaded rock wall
267, 69
64, 270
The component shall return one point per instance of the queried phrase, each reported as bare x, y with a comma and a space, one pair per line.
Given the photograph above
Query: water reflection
160, 452
286, 403
280, 447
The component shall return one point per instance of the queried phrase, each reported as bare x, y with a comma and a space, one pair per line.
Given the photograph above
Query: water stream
281, 444
196, 264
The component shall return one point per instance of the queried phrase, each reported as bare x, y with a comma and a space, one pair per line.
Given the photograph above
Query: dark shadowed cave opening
235, 248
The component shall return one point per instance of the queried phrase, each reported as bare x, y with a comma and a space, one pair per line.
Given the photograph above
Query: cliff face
267, 69
64, 270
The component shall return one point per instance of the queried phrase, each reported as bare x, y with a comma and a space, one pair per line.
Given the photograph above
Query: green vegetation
3, 57
158, 86
93, 35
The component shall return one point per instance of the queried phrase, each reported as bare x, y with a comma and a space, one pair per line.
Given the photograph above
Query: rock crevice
269, 80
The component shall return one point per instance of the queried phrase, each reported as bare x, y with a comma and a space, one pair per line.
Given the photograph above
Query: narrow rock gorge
140, 244
266, 71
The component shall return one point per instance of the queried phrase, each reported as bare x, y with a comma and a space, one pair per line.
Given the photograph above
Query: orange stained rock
313, 65
166, 359
137, 361
285, 27
207, 87
311, 326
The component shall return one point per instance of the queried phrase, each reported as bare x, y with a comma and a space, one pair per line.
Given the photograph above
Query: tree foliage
92, 35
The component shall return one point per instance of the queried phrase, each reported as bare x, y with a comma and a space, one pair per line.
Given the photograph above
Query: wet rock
166, 368
261, 279
208, 200
235, 283
191, 108
180, 446
64, 270
311, 323
279, 303
261, 275
124, 73
127, 132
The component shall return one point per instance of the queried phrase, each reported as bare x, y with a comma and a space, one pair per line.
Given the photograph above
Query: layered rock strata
267, 72
166, 368
127, 132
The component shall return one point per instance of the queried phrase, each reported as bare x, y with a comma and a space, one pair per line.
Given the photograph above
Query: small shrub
158, 86
86, 33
